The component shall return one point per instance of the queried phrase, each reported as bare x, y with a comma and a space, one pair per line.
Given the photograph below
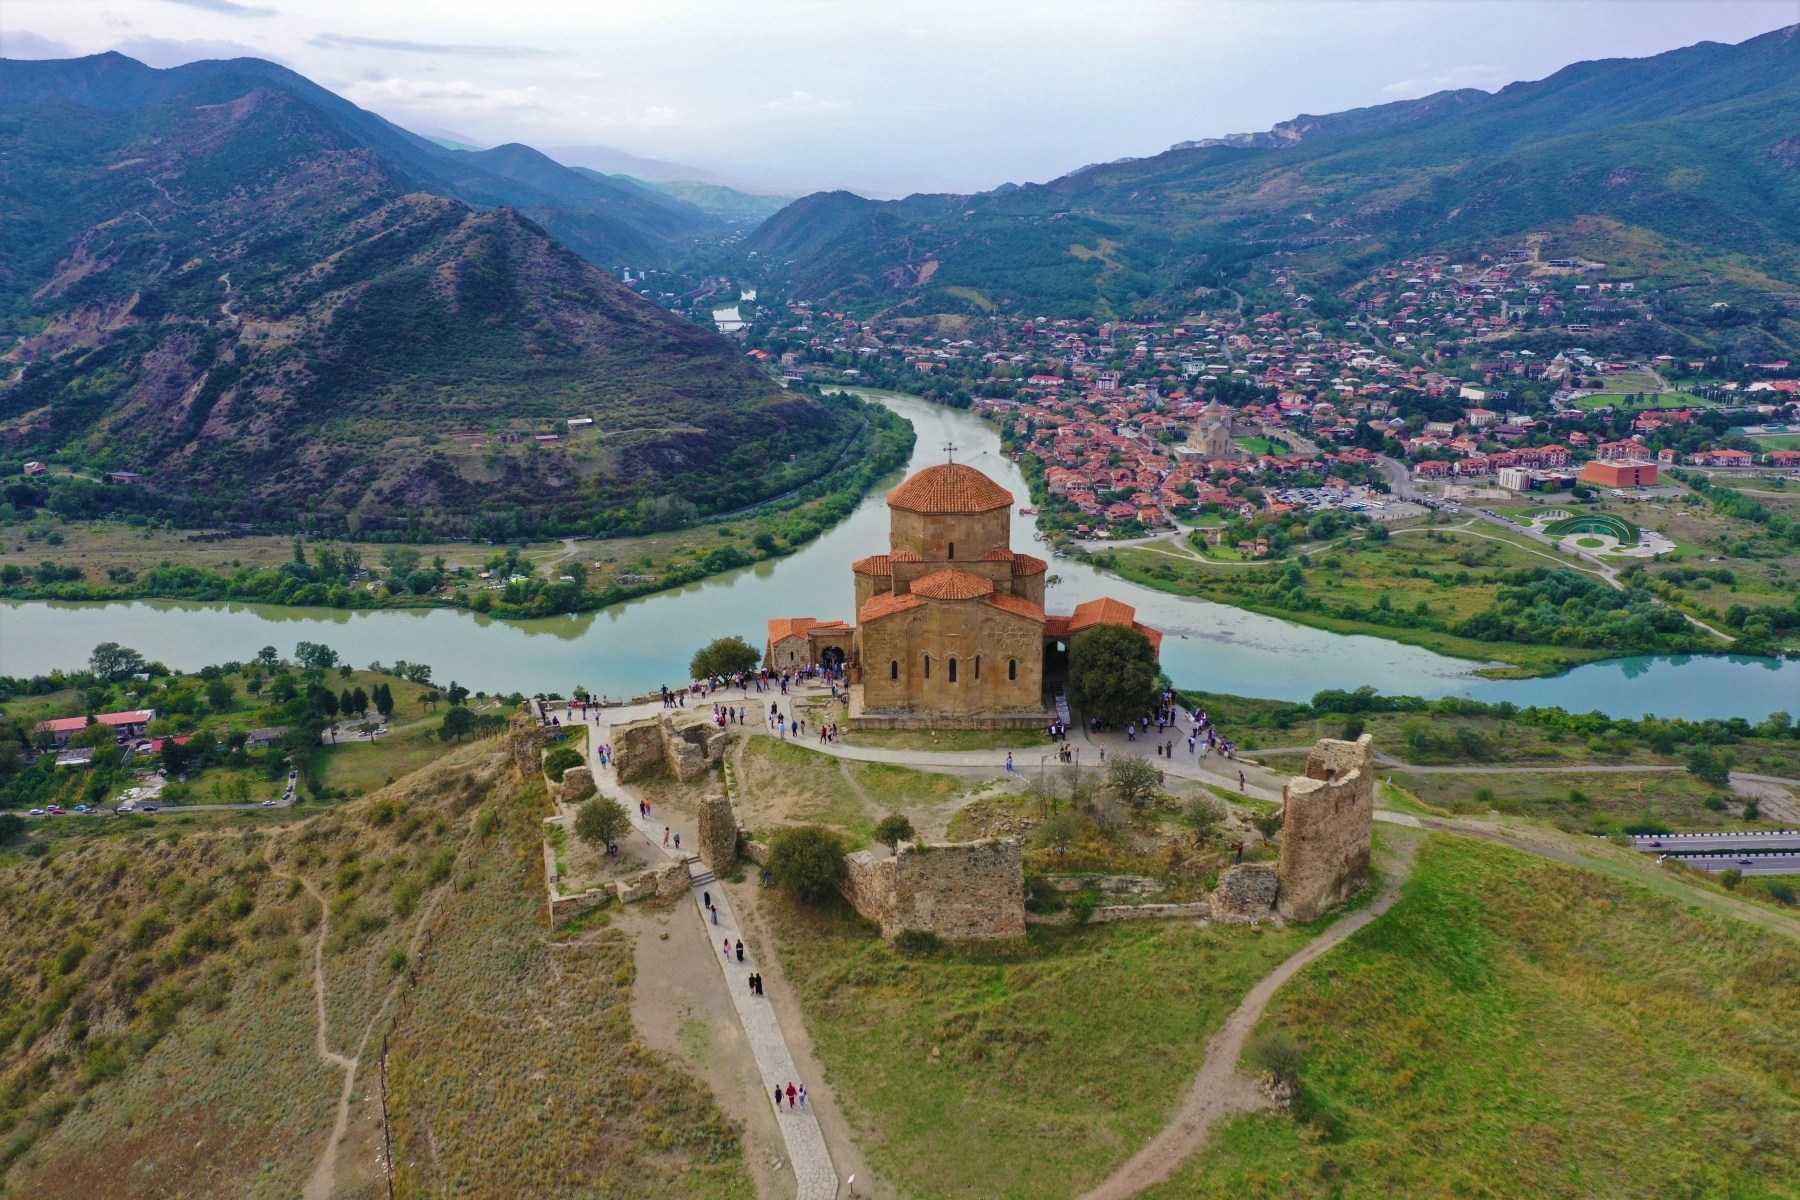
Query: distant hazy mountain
1690, 160
610, 160
274, 304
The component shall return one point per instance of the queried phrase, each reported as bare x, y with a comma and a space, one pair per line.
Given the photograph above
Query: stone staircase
1062, 708
699, 874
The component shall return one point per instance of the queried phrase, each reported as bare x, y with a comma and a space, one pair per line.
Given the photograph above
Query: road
1717, 843
1749, 864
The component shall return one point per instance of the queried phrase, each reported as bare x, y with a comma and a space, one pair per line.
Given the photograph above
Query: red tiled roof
1028, 564
951, 584
875, 564
1056, 625
1155, 635
1017, 605
1104, 611
949, 488
887, 604
787, 627
141, 716
1001, 554
904, 556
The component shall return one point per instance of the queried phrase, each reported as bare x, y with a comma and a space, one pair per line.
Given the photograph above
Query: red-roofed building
125, 724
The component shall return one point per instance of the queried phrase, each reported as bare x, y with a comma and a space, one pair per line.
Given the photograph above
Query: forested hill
232, 292
1690, 157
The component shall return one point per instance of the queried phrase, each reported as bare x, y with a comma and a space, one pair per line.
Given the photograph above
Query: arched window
894, 669
1012, 670
928, 666
953, 670
978, 668
952, 550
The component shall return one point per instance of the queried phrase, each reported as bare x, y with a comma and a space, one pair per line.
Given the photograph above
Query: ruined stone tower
1327, 827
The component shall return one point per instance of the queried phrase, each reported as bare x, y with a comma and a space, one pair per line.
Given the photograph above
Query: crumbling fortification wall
577, 785
718, 846
960, 890
1327, 828
525, 739
1246, 892
690, 744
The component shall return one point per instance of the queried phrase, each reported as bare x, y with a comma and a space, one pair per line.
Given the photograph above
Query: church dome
949, 488
953, 585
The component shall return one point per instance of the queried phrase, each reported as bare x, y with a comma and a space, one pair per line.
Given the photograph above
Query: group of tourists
792, 1094
783, 725
725, 714
828, 733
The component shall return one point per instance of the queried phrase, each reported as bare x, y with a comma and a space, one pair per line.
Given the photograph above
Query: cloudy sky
883, 97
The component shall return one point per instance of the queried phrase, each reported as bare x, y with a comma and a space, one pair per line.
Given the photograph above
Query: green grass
787, 783
948, 739
1519, 1028
1056, 1055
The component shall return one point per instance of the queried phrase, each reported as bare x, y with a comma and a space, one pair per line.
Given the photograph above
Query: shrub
1133, 777
894, 829
918, 943
439, 870
1353, 729
1274, 1053
1203, 815
147, 930
459, 722
807, 860
1267, 824
560, 760
1082, 905
1730, 877
600, 821
1058, 831
1704, 764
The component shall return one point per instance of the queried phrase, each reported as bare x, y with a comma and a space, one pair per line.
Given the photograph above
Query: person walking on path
740, 952
791, 1093
725, 949
1009, 762
803, 1095
665, 835
1240, 781
778, 1099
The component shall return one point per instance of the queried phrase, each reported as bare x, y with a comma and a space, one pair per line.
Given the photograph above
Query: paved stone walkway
807, 1153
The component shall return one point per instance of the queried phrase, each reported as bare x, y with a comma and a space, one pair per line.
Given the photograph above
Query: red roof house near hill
125, 724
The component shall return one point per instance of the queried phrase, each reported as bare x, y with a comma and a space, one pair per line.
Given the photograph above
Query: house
262, 739
126, 724
37, 468
124, 477
1620, 451
1432, 470
1725, 458
1783, 458
580, 422
1619, 474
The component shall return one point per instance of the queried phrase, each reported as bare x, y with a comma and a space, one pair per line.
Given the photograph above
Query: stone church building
950, 623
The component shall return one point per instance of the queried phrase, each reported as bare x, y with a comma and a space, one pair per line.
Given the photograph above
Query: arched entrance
1056, 664
831, 657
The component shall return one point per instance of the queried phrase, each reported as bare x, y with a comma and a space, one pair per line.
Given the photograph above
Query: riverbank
53, 558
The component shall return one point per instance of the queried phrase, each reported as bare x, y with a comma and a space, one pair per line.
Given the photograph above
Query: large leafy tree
724, 656
113, 662
1112, 673
807, 860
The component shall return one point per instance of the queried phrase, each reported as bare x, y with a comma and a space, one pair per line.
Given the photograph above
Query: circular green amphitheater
1624, 532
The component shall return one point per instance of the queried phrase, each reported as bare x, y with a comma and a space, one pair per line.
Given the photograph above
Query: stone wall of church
931, 536
894, 649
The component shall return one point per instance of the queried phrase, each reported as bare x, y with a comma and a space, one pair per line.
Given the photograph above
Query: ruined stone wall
1246, 892
1327, 828
690, 745
577, 785
718, 834
525, 739
958, 891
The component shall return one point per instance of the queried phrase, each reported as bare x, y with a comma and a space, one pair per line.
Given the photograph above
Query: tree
399, 562
346, 702
556, 762
894, 829
457, 693
458, 722
1203, 815
724, 657
219, 694
359, 702
1267, 824
764, 541
315, 656
113, 662
1708, 766
384, 700
1112, 673
1133, 778
807, 860
1058, 831
600, 821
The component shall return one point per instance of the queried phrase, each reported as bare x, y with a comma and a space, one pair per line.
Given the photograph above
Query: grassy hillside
1514, 1027
160, 1013
1690, 149
228, 292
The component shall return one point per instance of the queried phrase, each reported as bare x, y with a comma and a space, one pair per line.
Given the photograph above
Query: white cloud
228, 8
22, 43
332, 41
169, 52
1457, 77
430, 95
804, 101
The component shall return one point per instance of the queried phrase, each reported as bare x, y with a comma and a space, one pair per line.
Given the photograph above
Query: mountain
233, 291
607, 223
1686, 162
1309, 128
610, 160
715, 199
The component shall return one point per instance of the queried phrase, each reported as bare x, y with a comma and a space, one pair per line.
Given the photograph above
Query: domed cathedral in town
950, 623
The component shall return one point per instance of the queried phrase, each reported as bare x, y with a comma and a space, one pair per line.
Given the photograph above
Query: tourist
1240, 781
678, 839
725, 948
740, 948
1009, 762
791, 1094
665, 835
778, 1099
803, 1095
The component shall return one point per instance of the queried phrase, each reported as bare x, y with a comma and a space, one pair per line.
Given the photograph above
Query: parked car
146, 808
38, 812
57, 810
84, 808
268, 804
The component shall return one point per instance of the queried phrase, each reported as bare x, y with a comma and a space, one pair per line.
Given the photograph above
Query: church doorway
1056, 665
831, 658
